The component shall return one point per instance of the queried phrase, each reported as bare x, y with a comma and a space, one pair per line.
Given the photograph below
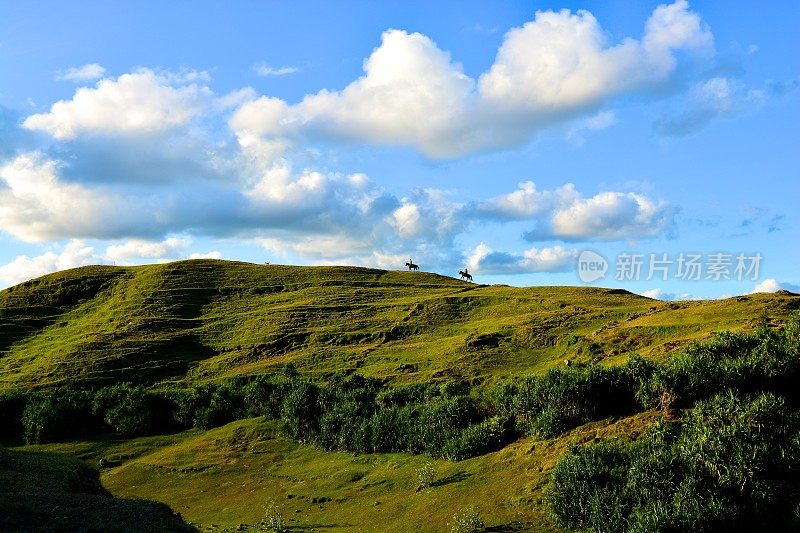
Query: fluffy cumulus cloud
564, 214
773, 285
35, 205
607, 216
74, 254
89, 72
554, 68
77, 252
138, 249
484, 260
147, 160
142, 101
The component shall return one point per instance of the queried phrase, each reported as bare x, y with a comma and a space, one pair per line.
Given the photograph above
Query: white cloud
35, 205
773, 285
655, 294
555, 68
411, 94
659, 294
711, 99
484, 260
527, 202
236, 98
89, 72
263, 69
74, 254
406, 220
136, 249
77, 252
598, 122
139, 102
214, 254
607, 216
564, 214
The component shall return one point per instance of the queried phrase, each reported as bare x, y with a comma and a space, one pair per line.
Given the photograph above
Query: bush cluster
731, 464
364, 415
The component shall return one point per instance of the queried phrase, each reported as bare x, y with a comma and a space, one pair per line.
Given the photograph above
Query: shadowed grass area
50, 492
192, 321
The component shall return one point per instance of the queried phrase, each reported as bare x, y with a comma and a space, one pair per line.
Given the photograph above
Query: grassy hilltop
199, 320
337, 399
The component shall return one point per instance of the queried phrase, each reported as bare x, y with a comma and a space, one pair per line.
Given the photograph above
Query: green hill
455, 360
193, 321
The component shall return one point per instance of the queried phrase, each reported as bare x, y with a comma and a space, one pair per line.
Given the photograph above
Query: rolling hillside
199, 320
180, 325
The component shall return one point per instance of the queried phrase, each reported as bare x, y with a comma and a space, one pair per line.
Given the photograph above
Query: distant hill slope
203, 319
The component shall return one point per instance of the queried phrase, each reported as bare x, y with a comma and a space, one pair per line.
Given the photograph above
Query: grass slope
227, 476
197, 320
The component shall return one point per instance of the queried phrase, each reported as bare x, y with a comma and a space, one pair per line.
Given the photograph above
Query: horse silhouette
465, 275
411, 265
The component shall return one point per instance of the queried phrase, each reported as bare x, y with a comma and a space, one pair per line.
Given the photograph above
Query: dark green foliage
588, 487
12, 404
733, 464
263, 395
58, 414
484, 437
300, 410
547, 405
406, 394
766, 360
393, 428
218, 404
442, 420
127, 409
343, 426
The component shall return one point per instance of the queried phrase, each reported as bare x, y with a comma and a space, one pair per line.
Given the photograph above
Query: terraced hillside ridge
199, 320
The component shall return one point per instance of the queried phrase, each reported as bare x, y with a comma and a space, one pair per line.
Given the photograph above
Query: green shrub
57, 414
733, 464
767, 360
12, 405
263, 396
406, 395
343, 427
469, 521
560, 399
300, 410
441, 420
392, 429
126, 408
454, 388
484, 437
218, 404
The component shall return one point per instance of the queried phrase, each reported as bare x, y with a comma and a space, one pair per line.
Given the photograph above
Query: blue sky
504, 137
